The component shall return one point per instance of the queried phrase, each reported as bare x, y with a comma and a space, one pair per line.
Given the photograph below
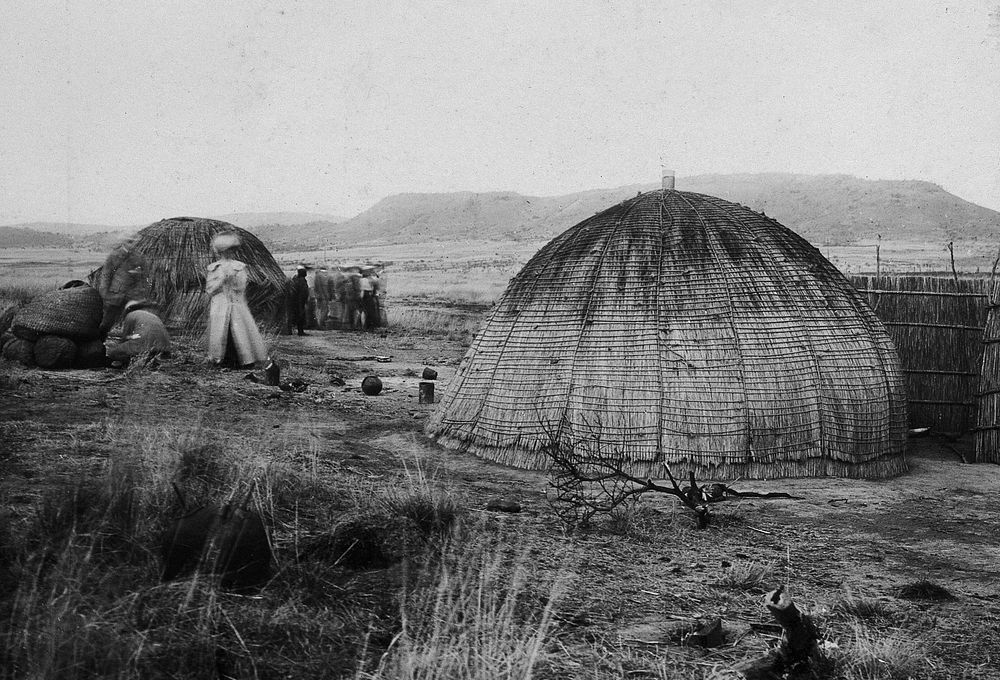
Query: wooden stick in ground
954, 272
798, 650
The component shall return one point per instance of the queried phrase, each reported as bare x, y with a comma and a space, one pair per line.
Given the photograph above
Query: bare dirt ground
847, 540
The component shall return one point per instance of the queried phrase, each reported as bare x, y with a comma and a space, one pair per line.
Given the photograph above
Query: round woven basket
19, 350
91, 354
54, 351
72, 312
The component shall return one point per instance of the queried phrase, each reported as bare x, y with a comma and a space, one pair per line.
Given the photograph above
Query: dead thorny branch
592, 483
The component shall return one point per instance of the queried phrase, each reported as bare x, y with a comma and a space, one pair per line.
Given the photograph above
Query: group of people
233, 336
346, 297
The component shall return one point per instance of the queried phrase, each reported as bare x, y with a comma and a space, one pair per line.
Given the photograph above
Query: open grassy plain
449, 589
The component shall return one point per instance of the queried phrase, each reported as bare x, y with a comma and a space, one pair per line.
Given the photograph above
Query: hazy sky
127, 112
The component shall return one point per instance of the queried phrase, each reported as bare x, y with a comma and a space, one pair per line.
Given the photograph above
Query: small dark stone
503, 505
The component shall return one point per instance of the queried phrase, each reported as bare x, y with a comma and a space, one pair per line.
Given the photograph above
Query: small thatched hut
681, 329
177, 252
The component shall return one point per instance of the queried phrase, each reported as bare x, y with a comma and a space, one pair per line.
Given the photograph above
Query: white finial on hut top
668, 178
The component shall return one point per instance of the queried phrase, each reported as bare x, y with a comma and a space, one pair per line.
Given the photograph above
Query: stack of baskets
58, 329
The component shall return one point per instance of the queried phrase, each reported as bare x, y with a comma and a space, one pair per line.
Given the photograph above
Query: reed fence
987, 434
937, 324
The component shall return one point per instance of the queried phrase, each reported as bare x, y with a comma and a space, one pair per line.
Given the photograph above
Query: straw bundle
177, 253
20, 350
677, 328
54, 351
936, 324
71, 312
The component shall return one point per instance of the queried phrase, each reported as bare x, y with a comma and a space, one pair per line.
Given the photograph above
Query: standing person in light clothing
231, 327
322, 288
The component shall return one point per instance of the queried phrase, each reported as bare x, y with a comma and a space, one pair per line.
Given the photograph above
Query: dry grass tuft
869, 655
863, 608
434, 509
924, 590
477, 614
747, 575
637, 522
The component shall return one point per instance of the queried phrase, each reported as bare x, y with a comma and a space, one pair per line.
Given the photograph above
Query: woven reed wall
937, 326
987, 432
678, 328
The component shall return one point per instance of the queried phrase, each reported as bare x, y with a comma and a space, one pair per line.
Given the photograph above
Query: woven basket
90, 354
54, 351
19, 350
72, 312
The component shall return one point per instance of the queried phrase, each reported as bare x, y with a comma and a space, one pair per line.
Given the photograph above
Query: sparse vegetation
748, 575
863, 608
867, 654
87, 462
459, 327
478, 614
433, 508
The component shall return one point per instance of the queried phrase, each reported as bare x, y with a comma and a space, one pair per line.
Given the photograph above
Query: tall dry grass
455, 325
80, 594
478, 614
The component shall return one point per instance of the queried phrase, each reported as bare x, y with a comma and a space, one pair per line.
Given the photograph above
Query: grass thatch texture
178, 252
678, 328
936, 324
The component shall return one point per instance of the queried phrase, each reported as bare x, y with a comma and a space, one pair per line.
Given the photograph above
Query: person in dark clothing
298, 297
122, 277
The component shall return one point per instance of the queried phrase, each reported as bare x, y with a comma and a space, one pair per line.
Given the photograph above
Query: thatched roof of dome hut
677, 328
177, 253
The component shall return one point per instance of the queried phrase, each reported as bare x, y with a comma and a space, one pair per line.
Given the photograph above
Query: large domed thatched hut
177, 252
681, 329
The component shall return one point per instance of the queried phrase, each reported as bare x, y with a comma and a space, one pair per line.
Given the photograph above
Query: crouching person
143, 335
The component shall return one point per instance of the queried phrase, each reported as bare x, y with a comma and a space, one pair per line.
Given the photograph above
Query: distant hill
826, 209
70, 228
23, 237
250, 221
838, 209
